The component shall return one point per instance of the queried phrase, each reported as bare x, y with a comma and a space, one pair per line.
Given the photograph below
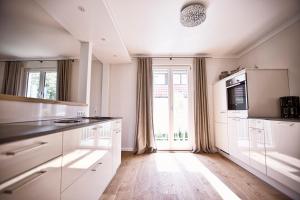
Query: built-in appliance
289, 106
237, 93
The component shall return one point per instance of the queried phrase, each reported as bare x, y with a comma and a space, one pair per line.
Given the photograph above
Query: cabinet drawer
93, 183
17, 157
42, 182
256, 123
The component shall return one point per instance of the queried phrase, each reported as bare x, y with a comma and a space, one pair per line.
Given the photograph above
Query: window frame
42, 72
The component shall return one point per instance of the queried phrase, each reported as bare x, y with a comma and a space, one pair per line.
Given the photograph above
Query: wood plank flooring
183, 175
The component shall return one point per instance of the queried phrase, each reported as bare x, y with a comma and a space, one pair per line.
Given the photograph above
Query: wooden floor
182, 175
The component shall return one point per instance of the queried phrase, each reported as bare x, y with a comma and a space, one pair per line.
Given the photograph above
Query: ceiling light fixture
192, 14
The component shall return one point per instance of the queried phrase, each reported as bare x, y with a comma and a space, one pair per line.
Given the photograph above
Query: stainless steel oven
237, 93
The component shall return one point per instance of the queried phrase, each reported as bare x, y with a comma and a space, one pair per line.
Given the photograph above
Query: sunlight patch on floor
192, 164
165, 163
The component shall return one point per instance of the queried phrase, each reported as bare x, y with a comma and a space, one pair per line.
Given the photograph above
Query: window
41, 83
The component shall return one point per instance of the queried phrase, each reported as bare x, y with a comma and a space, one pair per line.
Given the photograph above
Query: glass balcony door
171, 106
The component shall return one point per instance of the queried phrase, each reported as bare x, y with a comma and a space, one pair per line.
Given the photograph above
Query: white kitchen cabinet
40, 182
257, 147
116, 150
87, 161
220, 116
17, 157
283, 152
239, 144
93, 183
221, 136
220, 102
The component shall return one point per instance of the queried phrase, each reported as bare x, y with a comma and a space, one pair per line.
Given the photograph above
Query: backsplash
13, 111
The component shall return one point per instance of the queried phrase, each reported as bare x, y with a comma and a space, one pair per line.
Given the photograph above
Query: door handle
23, 182
25, 148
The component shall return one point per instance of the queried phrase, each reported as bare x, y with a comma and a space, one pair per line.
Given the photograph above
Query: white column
85, 63
105, 90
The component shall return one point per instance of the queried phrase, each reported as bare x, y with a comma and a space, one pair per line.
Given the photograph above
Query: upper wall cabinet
283, 153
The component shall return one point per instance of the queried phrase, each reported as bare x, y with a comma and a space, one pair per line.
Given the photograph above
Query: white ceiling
92, 25
27, 31
52, 28
153, 27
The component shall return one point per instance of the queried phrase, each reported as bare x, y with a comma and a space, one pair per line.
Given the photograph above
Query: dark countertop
276, 119
12, 132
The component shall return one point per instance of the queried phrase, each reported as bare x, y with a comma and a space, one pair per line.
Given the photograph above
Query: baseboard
128, 149
290, 193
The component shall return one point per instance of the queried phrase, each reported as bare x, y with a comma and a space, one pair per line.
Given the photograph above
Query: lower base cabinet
42, 182
93, 183
221, 136
283, 153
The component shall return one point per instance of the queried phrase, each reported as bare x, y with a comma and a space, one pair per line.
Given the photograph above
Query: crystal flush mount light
192, 14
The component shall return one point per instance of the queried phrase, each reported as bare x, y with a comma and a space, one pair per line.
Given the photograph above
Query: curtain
12, 77
144, 112
203, 141
64, 68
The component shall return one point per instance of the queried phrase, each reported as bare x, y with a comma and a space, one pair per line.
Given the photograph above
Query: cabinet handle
23, 182
25, 148
223, 112
95, 168
292, 124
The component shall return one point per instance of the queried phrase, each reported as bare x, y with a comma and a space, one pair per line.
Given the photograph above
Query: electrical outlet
80, 113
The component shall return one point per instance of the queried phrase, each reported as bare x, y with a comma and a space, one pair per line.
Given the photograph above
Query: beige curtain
12, 77
64, 68
203, 141
144, 111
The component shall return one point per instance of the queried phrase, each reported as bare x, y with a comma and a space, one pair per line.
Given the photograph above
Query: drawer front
82, 148
17, 157
93, 183
42, 182
260, 124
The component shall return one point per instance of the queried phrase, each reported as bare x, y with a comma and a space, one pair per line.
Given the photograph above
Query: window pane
50, 85
160, 106
180, 104
159, 78
33, 84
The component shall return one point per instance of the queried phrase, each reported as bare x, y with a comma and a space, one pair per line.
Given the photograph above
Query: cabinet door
239, 139
232, 135
42, 182
220, 102
243, 141
283, 153
221, 136
257, 149
116, 133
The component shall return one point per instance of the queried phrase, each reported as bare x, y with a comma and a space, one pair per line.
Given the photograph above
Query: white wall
282, 52
96, 88
123, 100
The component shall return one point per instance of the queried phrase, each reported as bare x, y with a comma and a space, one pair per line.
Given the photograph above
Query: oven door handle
234, 84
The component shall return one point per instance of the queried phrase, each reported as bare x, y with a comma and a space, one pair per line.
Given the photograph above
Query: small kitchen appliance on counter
289, 106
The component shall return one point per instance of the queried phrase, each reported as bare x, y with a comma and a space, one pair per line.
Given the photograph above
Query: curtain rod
40, 60
171, 56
